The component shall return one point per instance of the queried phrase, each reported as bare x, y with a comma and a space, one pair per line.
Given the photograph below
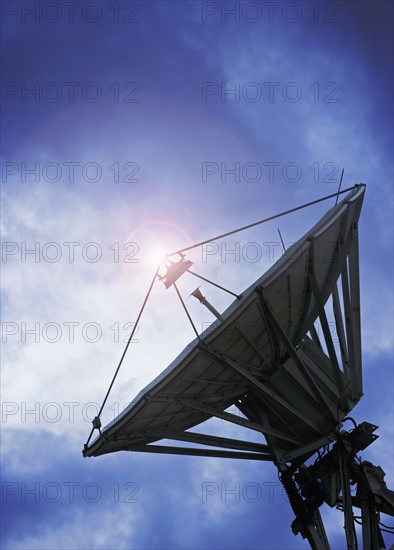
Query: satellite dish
287, 378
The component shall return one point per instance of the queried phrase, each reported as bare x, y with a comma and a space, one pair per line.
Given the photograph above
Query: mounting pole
197, 294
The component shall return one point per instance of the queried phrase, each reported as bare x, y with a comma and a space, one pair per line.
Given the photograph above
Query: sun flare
156, 255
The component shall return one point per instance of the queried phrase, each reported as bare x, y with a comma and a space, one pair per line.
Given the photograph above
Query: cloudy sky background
150, 158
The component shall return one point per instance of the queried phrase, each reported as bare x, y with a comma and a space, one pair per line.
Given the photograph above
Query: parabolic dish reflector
288, 379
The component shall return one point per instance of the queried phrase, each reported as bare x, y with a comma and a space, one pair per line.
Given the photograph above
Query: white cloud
84, 529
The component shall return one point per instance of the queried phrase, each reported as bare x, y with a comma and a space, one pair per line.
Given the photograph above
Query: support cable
212, 283
281, 240
96, 422
260, 222
339, 187
187, 312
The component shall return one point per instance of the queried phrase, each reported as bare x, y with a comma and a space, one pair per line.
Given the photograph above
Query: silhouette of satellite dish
288, 379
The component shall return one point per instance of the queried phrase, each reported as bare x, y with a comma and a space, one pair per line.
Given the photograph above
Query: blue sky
177, 122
